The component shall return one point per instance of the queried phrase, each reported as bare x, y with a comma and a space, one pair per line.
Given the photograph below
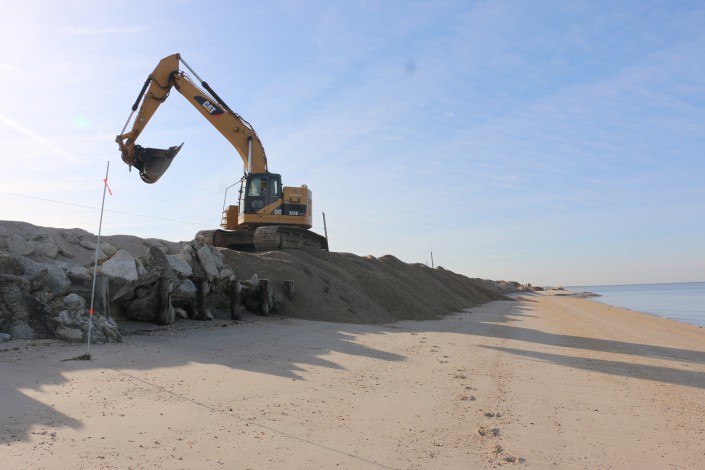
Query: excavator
268, 216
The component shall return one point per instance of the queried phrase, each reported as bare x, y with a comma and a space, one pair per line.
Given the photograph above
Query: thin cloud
83, 31
5, 67
37, 138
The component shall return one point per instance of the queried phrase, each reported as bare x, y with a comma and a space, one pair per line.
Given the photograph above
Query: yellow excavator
269, 216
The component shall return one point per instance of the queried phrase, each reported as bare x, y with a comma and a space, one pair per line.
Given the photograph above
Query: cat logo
212, 109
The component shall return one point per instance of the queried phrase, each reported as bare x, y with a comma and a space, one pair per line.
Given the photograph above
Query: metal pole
226, 194
432, 266
325, 229
95, 265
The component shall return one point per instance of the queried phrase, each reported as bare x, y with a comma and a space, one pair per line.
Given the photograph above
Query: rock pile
46, 282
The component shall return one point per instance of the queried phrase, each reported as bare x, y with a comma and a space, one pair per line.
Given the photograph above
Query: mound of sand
343, 287
335, 287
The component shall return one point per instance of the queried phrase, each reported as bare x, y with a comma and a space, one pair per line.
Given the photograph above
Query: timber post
102, 295
264, 296
235, 307
203, 287
165, 313
289, 289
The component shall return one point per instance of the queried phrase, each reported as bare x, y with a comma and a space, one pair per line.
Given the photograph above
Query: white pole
95, 266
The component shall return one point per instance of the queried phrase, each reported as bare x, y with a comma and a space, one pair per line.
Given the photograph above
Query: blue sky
556, 143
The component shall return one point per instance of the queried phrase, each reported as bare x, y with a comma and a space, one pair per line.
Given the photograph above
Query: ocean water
683, 301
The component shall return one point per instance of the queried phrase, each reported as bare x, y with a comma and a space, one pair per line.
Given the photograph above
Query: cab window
276, 190
255, 187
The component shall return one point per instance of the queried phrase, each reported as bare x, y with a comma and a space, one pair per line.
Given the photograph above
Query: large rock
51, 280
66, 333
108, 249
122, 272
72, 322
48, 250
181, 267
10, 264
68, 323
185, 290
78, 274
14, 312
121, 266
187, 254
226, 275
209, 261
47, 281
157, 261
18, 245
88, 244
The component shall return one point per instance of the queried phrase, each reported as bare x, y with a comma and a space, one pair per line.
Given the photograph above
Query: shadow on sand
274, 346
289, 348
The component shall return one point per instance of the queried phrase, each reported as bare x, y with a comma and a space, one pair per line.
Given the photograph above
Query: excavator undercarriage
268, 238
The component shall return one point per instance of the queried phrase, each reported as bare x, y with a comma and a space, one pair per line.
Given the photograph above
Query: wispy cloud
5, 67
38, 138
84, 31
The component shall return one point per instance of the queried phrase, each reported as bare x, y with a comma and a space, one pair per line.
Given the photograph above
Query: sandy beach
547, 381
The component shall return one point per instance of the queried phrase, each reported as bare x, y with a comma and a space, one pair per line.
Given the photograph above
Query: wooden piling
102, 295
235, 307
202, 310
289, 289
164, 314
264, 296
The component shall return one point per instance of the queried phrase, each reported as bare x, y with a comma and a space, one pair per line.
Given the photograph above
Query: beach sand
547, 381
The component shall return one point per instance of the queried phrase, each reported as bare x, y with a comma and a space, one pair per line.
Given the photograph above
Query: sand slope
545, 382
339, 287
343, 287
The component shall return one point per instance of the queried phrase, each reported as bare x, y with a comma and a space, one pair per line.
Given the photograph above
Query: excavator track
238, 240
269, 238
282, 237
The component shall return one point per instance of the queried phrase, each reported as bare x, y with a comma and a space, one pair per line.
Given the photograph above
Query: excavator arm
152, 162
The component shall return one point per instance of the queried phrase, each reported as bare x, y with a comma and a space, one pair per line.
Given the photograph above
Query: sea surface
682, 301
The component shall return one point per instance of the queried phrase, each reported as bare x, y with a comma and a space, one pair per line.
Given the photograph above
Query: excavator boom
152, 162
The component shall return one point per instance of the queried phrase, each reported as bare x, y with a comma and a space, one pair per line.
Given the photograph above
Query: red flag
105, 180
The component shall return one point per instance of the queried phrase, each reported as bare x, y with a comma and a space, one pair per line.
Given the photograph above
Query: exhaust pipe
249, 154
153, 163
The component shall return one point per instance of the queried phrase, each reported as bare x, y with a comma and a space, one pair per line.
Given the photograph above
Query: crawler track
270, 238
281, 237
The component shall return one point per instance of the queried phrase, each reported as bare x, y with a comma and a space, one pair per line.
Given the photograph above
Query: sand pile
46, 273
343, 287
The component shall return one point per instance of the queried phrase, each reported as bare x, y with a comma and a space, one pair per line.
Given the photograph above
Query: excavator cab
153, 163
260, 190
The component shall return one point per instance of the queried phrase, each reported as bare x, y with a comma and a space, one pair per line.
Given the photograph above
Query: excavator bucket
153, 163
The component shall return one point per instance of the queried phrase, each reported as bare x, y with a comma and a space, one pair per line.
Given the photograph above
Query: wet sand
544, 382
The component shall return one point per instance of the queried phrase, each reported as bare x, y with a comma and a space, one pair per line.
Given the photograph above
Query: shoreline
542, 380
657, 299
594, 299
